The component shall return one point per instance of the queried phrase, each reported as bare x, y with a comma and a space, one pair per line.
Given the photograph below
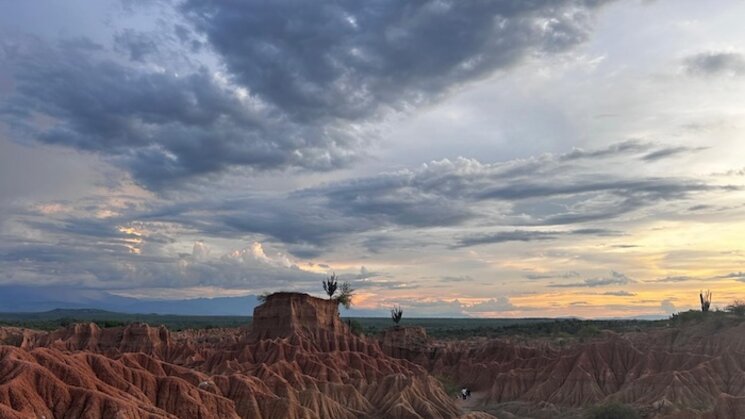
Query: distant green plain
439, 328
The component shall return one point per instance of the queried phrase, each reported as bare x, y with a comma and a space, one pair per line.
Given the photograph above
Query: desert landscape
298, 359
372, 209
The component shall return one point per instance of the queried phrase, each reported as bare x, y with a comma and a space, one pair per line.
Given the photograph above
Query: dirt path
472, 403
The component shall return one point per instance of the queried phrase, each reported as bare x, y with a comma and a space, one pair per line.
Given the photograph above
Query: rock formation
299, 360
288, 314
694, 371
406, 342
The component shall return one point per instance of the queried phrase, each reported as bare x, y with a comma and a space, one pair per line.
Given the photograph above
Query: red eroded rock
299, 360
692, 371
50, 383
405, 342
286, 314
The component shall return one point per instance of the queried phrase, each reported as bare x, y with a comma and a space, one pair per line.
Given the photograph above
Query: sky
457, 158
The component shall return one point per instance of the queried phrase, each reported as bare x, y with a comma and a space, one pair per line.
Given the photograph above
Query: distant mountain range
15, 298
20, 298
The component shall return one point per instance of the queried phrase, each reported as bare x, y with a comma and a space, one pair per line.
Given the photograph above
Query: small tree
705, 298
329, 285
396, 314
737, 307
345, 295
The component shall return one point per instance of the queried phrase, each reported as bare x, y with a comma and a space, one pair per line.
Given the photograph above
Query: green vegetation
345, 295
705, 298
737, 308
613, 410
346, 292
564, 330
588, 331
688, 316
715, 320
330, 284
355, 327
437, 328
51, 320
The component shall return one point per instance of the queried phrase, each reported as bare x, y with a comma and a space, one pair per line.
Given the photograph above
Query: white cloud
667, 306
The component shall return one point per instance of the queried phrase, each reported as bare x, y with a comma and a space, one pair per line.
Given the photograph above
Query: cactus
705, 298
396, 314
330, 285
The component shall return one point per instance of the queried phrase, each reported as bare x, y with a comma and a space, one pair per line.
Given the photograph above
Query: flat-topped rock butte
300, 360
285, 314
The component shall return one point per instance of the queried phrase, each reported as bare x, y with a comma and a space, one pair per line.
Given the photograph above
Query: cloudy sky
481, 158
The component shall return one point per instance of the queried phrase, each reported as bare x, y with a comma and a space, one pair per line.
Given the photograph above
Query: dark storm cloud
506, 236
306, 227
378, 243
618, 149
461, 278
648, 150
48, 256
84, 227
580, 199
541, 191
308, 224
701, 207
159, 125
677, 278
615, 278
137, 45
109, 264
564, 275
71, 245
385, 211
583, 214
715, 63
738, 276
620, 293
649, 188
282, 220
603, 232
527, 236
391, 198
81, 43
437, 193
669, 152
349, 59
301, 80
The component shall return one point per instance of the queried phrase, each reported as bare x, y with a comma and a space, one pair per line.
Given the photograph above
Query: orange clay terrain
299, 360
